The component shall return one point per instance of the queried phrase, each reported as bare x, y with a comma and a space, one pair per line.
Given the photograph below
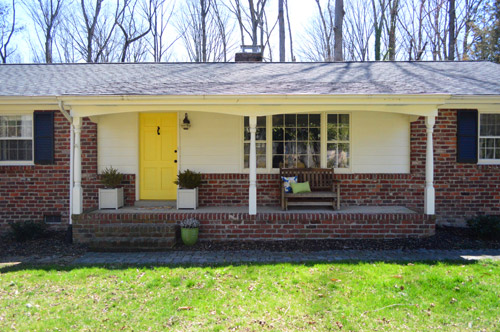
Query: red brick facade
30, 192
127, 231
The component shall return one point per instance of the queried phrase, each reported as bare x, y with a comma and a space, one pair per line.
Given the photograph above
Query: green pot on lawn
189, 236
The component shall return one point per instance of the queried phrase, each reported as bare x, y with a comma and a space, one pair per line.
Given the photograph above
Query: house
423, 136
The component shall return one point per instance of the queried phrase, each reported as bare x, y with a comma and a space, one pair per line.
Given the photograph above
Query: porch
155, 227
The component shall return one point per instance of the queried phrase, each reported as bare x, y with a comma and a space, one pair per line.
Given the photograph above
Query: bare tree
451, 30
281, 20
251, 20
339, 20
358, 30
467, 15
393, 7
225, 29
318, 42
134, 23
8, 27
46, 15
327, 28
204, 30
93, 30
292, 57
161, 15
412, 20
379, 7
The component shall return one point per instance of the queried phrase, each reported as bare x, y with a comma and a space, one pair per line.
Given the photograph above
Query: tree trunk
392, 29
339, 19
281, 19
451, 38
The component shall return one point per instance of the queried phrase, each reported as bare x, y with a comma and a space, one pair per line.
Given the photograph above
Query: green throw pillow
300, 187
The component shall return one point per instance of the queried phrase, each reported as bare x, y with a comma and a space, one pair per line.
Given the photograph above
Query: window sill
488, 162
14, 163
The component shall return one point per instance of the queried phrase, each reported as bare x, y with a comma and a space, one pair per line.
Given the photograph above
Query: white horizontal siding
212, 144
118, 141
380, 143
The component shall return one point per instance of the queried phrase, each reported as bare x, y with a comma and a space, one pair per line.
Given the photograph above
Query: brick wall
126, 231
29, 192
462, 190
232, 189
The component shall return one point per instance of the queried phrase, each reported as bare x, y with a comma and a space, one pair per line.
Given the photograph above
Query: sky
300, 12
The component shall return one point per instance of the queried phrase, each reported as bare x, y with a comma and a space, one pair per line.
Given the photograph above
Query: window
260, 138
338, 147
489, 137
16, 138
296, 140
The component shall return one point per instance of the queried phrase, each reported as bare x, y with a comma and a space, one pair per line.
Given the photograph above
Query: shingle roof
401, 78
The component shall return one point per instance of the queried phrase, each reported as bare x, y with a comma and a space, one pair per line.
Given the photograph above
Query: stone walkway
260, 256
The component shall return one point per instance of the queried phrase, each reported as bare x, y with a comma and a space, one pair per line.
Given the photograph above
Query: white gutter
71, 156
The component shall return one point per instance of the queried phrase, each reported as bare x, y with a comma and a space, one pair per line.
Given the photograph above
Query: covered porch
404, 110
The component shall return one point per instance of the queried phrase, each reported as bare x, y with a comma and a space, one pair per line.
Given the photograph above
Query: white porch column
430, 196
77, 167
252, 195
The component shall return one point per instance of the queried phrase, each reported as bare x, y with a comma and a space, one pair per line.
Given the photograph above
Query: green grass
279, 297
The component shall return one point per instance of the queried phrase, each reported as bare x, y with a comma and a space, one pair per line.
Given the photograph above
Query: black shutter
467, 136
44, 137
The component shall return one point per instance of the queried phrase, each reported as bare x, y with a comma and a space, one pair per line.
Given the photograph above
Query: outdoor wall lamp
186, 124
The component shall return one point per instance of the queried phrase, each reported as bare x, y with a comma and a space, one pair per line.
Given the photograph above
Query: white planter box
187, 198
110, 198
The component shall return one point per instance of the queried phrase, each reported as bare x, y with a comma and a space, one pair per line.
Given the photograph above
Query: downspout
71, 155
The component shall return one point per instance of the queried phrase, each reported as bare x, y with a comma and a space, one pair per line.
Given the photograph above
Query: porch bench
325, 189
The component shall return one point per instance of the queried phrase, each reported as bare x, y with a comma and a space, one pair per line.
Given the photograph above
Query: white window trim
479, 160
323, 144
23, 162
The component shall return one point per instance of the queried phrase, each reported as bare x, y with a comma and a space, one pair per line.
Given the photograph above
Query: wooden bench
325, 190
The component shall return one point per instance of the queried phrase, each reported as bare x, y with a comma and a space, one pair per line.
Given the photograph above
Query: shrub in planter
189, 231
111, 178
28, 230
111, 197
188, 179
187, 194
485, 227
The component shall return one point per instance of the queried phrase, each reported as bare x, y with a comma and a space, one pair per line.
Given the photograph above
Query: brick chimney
249, 53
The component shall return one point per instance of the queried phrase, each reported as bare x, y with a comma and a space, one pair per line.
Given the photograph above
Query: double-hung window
16, 138
338, 144
260, 138
489, 137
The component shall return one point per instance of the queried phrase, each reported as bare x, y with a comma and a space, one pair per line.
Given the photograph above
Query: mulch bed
445, 238
54, 244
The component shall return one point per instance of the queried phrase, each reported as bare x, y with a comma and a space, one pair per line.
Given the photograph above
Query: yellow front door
158, 156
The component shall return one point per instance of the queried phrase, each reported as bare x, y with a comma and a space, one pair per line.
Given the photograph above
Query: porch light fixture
186, 124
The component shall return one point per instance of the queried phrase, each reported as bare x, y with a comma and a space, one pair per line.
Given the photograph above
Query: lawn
278, 297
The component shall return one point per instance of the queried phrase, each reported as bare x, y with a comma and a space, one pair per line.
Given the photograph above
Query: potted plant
189, 231
111, 197
187, 193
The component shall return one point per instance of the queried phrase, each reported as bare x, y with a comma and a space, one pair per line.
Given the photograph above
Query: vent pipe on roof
249, 53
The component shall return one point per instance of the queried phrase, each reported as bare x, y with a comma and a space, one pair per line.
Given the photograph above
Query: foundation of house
155, 227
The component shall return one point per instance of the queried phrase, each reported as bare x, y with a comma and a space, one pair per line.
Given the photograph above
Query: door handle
158, 130
175, 161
